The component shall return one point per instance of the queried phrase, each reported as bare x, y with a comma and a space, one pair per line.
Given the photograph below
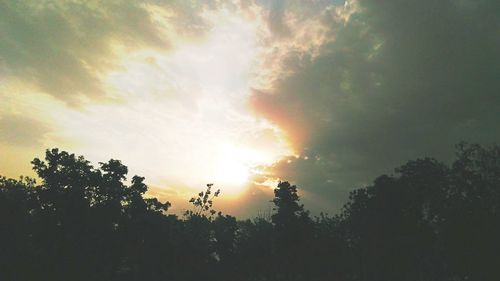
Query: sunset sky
242, 94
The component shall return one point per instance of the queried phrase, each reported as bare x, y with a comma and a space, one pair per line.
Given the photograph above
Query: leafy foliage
427, 221
204, 202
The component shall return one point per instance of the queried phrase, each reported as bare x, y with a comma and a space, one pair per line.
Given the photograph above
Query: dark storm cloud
398, 80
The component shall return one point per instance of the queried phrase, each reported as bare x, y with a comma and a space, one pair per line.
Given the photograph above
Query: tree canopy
427, 221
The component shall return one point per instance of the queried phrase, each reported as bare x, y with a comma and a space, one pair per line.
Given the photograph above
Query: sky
326, 94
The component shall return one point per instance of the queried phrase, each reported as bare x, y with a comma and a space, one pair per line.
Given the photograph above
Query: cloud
391, 82
359, 87
22, 131
276, 21
65, 48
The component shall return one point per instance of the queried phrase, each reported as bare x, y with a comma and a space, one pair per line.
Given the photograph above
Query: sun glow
232, 173
183, 119
236, 164
178, 117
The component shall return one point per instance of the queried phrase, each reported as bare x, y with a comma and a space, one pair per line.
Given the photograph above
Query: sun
185, 111
235, 165
232, 169
233, 173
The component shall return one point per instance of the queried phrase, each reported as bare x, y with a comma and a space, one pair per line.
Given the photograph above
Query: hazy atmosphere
249, 140
243, 94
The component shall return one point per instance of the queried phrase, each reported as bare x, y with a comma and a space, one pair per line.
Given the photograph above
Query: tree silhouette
427, 221
292, 232
203, 203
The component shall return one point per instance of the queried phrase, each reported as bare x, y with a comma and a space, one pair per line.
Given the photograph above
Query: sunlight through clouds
183, 112
166, 87
326, 94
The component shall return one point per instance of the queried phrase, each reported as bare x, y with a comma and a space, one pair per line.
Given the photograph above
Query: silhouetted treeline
428, 221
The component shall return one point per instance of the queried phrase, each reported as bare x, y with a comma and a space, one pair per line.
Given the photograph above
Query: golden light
232, 174
235, 165
179, 117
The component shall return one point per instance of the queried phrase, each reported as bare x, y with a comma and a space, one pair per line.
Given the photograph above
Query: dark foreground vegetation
428, 221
